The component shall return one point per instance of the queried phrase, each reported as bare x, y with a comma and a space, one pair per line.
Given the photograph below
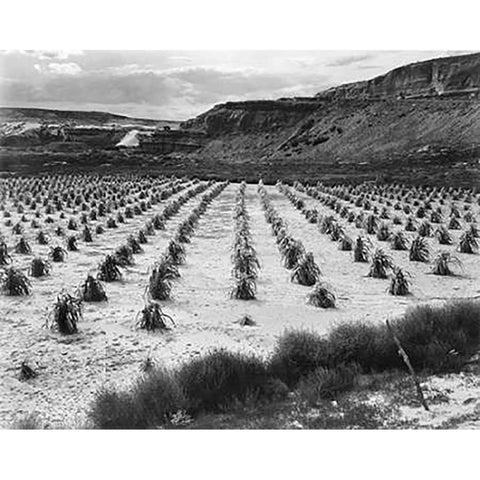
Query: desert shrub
109, 270
99, 229
245, 288
361, 251
5, 258
72, 245
380, 264
399, 283
59, 231
399, 241
440, 338
321, 296
39, 267
307, 271
468, 243
92, 290
419, 251
23, 247
112, 409
31, 421
14, 282
57, 254
370, 346
297, 353
326, 383
66, 313
152, 317
221, 378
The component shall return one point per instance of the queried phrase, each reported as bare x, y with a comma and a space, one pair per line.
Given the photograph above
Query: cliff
252, 116
418, 117
440, 77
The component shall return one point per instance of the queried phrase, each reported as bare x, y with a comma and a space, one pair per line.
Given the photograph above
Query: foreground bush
215, 381
436, 338
327, 383
151, 403
440, 338
211, 383
297, 353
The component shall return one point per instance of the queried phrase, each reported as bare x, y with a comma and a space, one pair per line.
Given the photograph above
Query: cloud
350, 60
64, 68
179, 84
55, 68
52, 54
187, 89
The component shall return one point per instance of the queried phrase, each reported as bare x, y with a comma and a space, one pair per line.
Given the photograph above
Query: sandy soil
109, 350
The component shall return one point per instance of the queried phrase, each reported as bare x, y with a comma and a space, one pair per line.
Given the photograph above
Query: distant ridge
22, 114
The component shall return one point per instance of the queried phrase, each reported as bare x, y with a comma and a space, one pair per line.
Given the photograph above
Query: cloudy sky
176, 85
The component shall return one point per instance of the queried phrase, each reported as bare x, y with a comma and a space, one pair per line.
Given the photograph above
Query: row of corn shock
381, 263
244, 256
165, 271
303, 268
67, 310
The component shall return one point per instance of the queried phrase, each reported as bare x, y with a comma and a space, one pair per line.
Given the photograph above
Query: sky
177, 85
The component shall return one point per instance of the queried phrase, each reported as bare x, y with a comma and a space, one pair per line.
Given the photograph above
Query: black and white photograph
219, 238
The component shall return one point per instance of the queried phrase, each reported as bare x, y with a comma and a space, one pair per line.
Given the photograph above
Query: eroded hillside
418, 117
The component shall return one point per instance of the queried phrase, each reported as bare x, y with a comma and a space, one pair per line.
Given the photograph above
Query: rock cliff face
450, 76
420, 113
252, 116
457, 76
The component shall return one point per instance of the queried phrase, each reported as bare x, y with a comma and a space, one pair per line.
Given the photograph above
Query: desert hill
420, 116
19, 114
